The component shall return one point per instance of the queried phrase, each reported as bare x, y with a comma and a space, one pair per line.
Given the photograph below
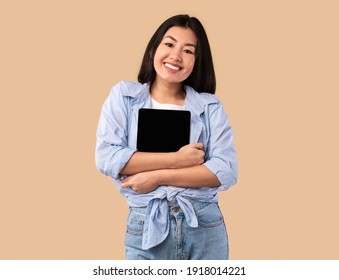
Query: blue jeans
208, 241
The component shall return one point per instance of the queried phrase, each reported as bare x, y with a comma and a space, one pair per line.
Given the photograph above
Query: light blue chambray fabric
116, 143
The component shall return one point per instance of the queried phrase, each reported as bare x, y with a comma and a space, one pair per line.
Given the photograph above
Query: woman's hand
143, 182
191, 155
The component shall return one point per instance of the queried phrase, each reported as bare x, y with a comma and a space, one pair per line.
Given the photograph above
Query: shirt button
175, 209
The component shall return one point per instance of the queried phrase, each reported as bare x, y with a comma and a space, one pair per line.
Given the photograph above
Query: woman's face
175, 56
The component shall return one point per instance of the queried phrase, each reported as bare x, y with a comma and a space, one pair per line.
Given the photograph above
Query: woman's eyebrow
175, 40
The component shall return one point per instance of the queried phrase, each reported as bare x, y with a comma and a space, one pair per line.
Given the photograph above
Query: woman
173, 200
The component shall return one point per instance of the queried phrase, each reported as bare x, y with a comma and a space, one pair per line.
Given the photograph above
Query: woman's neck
168, 93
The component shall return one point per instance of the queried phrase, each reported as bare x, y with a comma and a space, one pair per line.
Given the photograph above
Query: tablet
163, 130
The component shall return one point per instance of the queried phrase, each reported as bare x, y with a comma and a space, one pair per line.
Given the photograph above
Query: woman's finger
125, 185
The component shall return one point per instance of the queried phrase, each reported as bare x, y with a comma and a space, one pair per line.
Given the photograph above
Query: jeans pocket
135, 221
210, 215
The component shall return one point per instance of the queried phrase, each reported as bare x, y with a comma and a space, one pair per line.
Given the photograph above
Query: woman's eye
189, 51
169, 45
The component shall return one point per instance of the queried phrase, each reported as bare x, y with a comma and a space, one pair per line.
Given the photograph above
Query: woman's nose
176, 55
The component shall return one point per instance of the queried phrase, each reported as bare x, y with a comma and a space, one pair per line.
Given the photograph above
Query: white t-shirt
157, 105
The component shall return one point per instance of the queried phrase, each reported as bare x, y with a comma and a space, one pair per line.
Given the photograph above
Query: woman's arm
191, 177
194, 177
187, 156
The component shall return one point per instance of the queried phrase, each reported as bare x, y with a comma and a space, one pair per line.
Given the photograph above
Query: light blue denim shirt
116, 143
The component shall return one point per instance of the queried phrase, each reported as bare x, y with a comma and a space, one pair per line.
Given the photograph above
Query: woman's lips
171, 66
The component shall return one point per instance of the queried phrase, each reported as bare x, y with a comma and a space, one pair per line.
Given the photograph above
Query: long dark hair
202, 79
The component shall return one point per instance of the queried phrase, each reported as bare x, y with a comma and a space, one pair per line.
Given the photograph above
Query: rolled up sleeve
112, 151
221, 154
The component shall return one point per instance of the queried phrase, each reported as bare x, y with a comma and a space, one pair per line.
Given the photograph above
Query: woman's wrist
160, 176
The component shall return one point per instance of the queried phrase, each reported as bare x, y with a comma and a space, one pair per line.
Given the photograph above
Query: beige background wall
277, 72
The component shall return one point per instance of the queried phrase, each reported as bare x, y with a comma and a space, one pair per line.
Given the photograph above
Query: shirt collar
194, 101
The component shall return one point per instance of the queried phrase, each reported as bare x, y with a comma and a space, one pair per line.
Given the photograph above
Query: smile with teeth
172, 66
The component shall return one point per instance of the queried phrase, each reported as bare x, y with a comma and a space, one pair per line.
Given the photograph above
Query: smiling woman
174, 60
173, 197
203, 57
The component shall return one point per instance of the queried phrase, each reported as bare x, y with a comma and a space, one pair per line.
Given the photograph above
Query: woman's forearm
141, 161
187, 156
195, 177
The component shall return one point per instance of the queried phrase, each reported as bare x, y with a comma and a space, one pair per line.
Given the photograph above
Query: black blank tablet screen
163, 130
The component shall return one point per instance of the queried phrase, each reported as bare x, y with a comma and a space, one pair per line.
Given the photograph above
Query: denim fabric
208, 241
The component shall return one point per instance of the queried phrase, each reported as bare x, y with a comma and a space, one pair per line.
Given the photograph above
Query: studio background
277, 66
